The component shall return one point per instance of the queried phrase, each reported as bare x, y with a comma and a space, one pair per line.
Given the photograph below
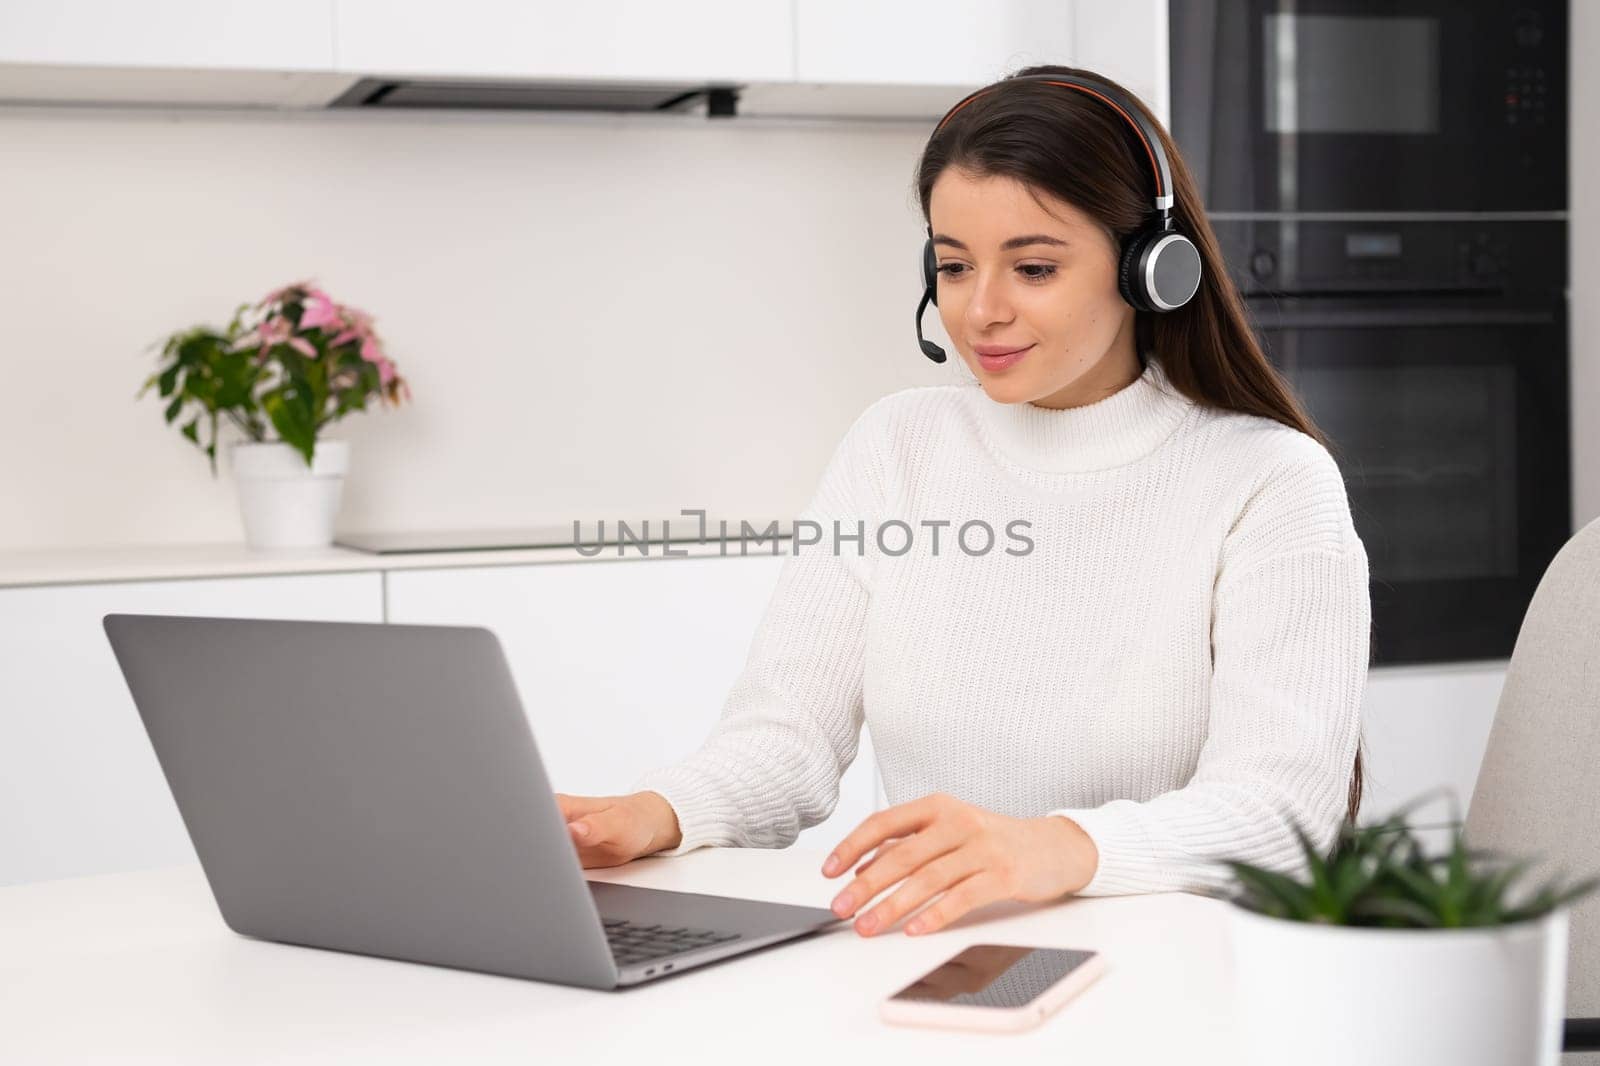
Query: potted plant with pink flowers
282, 371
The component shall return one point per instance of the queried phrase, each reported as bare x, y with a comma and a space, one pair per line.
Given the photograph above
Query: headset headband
1118, 103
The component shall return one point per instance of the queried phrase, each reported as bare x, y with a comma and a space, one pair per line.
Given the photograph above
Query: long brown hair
1077, 149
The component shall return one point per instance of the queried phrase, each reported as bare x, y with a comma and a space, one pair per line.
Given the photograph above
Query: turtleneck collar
1125, 426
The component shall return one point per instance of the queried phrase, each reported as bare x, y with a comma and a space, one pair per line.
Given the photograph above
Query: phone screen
995, 975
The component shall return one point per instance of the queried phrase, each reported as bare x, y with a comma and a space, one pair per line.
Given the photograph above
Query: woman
1167, 674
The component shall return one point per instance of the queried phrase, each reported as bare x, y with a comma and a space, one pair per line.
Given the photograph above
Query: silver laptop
376, 789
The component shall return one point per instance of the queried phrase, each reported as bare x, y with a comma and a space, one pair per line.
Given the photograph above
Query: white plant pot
284, 502
1320, 995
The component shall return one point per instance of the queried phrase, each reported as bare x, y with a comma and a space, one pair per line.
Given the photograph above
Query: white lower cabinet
80, 789
622, 665
1425, 730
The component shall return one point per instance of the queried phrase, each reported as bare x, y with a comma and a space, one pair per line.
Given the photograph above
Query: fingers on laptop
598, 826
594, 820
603, 829
578, 806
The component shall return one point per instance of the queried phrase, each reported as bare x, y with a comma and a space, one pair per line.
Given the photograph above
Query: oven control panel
1376, 255
1525, 96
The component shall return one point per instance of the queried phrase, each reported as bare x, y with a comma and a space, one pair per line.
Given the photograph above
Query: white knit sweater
1177, 664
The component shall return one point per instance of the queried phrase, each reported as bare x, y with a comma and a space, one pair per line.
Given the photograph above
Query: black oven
1372, 105
1433, 354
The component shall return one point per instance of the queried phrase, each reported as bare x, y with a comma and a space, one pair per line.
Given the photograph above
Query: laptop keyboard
632, 943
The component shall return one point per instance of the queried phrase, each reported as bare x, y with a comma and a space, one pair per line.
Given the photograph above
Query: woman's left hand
940, 844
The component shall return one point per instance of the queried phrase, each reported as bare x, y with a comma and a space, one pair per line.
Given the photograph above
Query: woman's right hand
612, 830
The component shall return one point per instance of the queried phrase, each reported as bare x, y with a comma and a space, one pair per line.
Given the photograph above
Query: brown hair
1079, 150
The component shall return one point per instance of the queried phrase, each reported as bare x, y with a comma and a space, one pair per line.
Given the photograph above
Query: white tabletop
140, 968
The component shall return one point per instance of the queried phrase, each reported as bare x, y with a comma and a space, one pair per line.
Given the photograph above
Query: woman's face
1055, 295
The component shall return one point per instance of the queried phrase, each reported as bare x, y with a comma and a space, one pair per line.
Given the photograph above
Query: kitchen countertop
71, 566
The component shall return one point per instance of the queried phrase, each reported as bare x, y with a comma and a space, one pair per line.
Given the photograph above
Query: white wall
599, 316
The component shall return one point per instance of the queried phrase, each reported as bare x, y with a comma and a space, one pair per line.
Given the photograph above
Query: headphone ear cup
1159, 270
1171, 271
1129, 282
930, 272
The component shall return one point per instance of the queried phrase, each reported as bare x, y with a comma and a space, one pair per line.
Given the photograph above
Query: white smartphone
995, 987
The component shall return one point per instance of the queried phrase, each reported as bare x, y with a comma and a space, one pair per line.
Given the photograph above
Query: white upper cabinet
623, 40
283, 35
913, 58
1126, 40
824, 58
927, 42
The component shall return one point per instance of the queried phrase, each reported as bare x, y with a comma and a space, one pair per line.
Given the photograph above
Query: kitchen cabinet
623, 665
281, 35
910, 59
1126, 41
625, 40
1426, 729
818, 58
79, 784
927, 42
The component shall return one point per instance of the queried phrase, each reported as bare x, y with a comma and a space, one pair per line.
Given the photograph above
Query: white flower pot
1320, 995
284, 502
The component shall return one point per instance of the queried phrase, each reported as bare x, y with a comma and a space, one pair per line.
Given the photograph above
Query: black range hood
511, 95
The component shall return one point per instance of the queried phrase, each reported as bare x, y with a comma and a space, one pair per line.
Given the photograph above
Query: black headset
1159, 268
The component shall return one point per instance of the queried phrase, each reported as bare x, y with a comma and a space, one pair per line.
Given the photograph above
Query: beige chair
1538, 793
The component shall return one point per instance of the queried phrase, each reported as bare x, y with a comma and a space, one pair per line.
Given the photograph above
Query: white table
140, 968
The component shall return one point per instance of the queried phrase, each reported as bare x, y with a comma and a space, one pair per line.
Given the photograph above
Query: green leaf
1403, 912
168, 380
193, 349
1322, 890
236, 380
289, 412
197, 367
1380, 876
211, 447
1549, 899
1293, 899
1415, 883
1486, 902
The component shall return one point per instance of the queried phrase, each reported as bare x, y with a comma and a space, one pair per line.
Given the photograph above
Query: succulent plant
1381, 876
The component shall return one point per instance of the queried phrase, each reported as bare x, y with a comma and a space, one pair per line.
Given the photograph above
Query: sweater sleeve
1290, 639
791, 723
